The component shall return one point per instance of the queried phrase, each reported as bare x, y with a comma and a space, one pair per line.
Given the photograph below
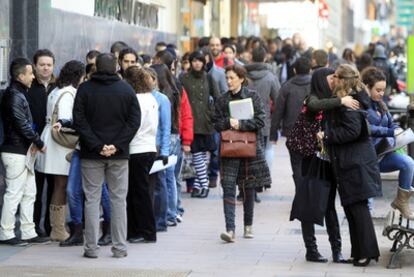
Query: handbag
302, 136
312, 194
238, 144
65, 137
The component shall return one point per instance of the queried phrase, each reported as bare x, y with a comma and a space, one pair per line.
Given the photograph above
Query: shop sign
128, 11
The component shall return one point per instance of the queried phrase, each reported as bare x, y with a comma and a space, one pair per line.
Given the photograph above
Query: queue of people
89, 138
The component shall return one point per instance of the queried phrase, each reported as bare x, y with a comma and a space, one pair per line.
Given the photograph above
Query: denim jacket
164, 124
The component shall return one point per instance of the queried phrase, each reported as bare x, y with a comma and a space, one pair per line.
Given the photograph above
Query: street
194, 248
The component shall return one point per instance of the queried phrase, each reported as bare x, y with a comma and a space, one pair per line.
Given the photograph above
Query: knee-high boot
312, 253
57, 222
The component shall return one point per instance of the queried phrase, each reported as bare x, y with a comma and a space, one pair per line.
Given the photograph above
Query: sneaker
90, 255
171, 223
38, 240
15, 242
179, 218
119, 253
228, 236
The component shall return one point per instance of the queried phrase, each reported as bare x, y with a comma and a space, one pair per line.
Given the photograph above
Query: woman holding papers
142, 148
249, 174
383, 130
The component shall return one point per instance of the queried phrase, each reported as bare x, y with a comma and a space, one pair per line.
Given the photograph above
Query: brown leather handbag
237, 144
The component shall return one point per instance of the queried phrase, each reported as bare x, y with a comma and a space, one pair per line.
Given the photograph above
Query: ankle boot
76, 237
106, 238
248, 232
57, 222
401, 202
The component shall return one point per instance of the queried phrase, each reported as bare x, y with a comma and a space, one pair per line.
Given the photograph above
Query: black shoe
212, 183
339, 259
76, 238
204, 193
196, 193
105, 240
136, 240
38, 240
256, 198
40, 233
239, 197
14, 242
361, 262
315, 257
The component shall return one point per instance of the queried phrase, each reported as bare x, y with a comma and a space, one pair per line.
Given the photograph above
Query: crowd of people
88, 139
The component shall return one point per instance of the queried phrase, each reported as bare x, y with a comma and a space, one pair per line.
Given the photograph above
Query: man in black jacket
18, 160
43, 84
107, 116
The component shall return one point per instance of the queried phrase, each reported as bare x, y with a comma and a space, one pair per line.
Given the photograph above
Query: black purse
312, 194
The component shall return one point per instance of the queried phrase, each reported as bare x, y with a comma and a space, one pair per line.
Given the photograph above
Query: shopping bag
312, 194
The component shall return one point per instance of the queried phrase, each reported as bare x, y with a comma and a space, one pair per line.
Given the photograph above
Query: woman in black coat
320, 99
355, 164
249, 174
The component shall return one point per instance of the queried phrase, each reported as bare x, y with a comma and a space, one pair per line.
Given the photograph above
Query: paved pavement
194, 248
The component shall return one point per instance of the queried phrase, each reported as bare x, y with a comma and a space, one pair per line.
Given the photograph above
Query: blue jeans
403, 163
393, 162
75, 192
178, 166
214, 158
165, 193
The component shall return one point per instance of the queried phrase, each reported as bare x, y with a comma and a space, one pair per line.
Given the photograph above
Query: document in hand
402, 139
158, 165
241, 109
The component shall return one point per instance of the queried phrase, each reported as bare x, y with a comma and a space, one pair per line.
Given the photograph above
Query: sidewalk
194, 248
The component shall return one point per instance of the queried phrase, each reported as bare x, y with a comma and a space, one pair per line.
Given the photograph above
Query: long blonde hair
352, 80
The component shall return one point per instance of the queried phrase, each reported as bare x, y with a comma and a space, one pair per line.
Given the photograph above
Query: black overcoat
352, 153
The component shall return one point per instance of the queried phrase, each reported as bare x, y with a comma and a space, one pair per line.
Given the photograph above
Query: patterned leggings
199, 162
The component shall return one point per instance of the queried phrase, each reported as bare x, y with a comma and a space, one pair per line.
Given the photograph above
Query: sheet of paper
402, 139
241, 109
158, 165
30, 160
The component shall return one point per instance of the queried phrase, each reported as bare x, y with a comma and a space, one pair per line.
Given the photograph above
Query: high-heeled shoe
362, 262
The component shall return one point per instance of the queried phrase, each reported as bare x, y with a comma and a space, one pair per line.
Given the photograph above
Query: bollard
410, 123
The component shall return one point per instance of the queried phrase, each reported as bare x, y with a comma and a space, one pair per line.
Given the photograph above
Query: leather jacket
17, 120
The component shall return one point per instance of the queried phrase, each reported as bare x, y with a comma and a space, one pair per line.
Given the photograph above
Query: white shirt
145, 138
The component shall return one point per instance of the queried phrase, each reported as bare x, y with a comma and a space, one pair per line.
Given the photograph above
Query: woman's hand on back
350, 102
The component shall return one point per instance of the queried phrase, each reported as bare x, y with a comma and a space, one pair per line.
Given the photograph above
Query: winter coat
37, 98
17, 121
267, 87
381, 124
106, 111
352, 153
53, 161
234, 170
201, 94
186, 120
219, 77
289, 104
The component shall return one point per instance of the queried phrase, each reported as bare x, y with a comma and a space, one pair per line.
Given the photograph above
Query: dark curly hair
138, 79
71, 74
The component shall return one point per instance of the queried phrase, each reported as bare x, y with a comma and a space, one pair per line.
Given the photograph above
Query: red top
186, 120
222, 62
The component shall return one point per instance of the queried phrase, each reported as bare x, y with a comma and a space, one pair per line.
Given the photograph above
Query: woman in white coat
54, 161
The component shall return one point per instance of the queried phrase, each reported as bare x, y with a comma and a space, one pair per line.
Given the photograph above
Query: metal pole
410, 88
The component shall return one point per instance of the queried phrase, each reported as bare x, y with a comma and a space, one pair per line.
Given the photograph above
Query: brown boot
401, 203
57, 222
